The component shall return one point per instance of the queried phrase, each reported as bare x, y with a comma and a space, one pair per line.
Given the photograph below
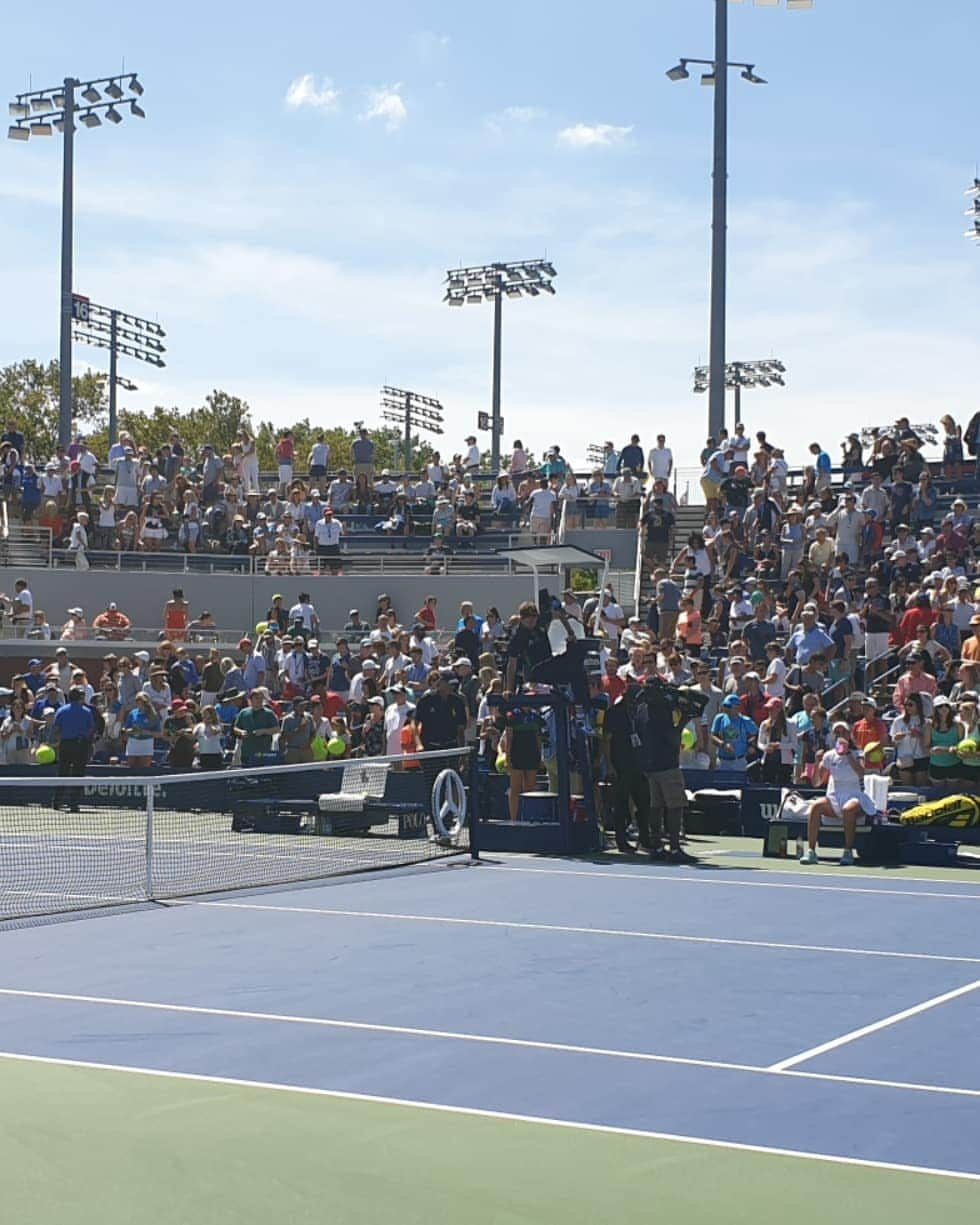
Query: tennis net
118, 838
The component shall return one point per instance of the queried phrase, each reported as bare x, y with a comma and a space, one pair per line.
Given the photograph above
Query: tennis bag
955, 811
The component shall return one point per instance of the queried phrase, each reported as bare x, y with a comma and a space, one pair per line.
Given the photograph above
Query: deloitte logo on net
122, 791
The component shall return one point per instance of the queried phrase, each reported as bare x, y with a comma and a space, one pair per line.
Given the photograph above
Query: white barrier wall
238, 601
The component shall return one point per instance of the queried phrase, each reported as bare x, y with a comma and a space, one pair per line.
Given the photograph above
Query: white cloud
304, 91
593, 135
512, 116
387, 104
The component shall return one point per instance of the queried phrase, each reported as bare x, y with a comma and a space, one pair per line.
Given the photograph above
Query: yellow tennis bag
955, 812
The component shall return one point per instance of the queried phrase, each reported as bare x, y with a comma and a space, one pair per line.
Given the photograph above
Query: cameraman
659, 753
622, 750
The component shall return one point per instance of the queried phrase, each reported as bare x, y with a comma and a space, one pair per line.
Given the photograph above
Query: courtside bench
362, 796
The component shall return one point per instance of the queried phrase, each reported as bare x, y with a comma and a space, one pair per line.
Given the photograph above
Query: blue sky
306, 175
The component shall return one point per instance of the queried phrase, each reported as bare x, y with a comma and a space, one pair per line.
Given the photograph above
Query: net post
474, 803
150, 789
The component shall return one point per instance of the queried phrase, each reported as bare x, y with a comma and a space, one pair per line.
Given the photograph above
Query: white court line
568, 929
685, 879
500, 1115
885, 1023
487, 1039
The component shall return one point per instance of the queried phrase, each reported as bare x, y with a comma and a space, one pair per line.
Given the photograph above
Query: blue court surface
810, 1012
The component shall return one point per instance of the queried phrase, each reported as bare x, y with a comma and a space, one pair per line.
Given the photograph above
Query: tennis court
525, 1040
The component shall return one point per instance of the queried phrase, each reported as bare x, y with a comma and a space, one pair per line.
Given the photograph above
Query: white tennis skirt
838, 799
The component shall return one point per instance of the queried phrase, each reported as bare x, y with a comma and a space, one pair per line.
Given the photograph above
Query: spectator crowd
839, 593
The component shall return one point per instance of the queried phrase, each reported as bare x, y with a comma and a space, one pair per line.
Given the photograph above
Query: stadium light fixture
105, 327
766, 373
494, 282
38, 112
716, 75
408, 409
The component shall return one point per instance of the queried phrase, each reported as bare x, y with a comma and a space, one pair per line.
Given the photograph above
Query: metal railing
23, 544
395, 556
638, 570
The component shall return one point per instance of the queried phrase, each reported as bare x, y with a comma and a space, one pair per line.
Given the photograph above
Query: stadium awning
537, 557
553, 555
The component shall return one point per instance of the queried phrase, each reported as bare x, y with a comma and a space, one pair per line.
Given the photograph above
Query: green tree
29, 396
29, 392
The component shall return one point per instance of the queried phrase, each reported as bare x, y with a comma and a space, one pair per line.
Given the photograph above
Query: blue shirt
75, 721
805, 643
735, 730
823, 462
254, 671
138, 722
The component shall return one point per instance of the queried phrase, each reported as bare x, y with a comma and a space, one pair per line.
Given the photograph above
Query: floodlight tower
491, 282
49, 109
108, 328
974, 211
768, 373
408, 408
717, 77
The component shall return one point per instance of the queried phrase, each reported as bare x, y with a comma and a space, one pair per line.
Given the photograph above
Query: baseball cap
34, 663
369, 663
731, 700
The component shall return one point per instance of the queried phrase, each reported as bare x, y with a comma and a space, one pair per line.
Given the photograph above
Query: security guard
622, 749
660, 746
74, 731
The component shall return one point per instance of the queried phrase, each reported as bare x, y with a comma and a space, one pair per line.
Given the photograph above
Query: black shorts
941, 773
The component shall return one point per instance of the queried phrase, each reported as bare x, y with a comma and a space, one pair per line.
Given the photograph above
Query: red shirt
753, 706
910, 622
614, 686
868, 731
426, 617
284, 450
332, 704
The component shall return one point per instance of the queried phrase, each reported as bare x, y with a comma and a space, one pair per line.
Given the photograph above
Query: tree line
29, 396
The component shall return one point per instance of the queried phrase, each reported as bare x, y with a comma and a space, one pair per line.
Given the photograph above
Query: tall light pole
492, 282
718, 78
108, 328
48, 109
768, 373
974, 211
408, 408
